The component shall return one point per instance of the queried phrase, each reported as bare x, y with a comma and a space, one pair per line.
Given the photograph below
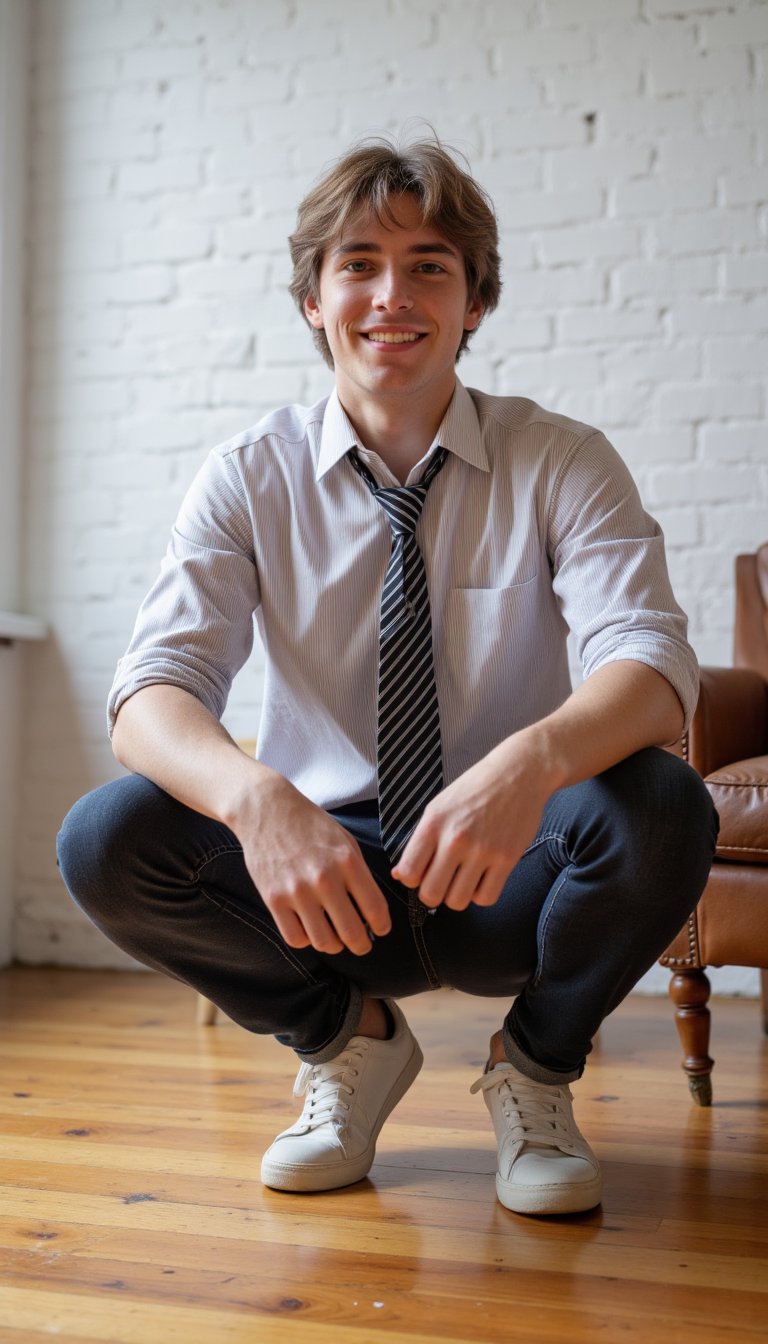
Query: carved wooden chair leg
689, 991
206, 1012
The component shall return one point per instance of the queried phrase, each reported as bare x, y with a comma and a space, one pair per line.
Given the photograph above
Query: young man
432, 804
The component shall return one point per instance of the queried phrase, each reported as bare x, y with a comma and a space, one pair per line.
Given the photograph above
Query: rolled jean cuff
341, 1038
527, 1066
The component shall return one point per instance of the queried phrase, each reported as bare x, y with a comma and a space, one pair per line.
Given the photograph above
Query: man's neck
400, 432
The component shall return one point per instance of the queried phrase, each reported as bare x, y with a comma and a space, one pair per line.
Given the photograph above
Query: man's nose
392, 291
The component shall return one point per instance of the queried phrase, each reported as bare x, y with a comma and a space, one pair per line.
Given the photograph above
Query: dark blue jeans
617, 866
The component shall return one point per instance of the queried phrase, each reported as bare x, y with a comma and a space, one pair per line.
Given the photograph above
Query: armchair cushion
740, 794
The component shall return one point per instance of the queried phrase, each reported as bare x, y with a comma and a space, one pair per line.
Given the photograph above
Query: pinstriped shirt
532, 528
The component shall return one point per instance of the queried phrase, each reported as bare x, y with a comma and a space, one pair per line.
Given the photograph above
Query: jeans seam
551, 835
544, 839
433, 979
214, 854
389, 889
254, 923
266, 932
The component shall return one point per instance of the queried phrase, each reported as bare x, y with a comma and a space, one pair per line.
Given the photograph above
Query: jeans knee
678, 796
98, 837
669, 820
74, 844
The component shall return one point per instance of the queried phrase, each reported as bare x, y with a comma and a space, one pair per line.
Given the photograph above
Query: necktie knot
403, 505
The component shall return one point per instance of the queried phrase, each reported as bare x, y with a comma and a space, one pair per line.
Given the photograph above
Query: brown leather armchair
728, 745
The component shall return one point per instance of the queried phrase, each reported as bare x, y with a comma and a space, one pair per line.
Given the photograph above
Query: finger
438, 879
411, 867
322, 936
368, 897
344, 918
466, 881
490, 886
290, 928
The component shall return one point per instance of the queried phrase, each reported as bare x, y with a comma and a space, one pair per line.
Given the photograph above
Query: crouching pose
432, 803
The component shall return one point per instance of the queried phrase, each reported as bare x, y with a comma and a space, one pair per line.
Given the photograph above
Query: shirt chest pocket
487, 633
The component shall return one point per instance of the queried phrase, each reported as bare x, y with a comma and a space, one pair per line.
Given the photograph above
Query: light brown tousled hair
374, 173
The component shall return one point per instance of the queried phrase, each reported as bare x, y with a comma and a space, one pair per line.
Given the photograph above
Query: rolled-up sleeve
610, 571
194, 629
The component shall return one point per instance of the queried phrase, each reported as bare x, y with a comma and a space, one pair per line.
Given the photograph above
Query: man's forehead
365, 224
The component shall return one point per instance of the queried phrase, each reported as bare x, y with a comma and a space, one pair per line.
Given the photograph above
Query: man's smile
391, 336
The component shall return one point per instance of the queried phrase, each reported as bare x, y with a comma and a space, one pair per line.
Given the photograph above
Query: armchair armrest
731, 719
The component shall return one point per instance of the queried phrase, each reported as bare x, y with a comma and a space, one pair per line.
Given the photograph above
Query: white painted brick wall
625, 143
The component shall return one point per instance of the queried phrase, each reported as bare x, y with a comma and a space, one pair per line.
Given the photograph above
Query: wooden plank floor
131, 1209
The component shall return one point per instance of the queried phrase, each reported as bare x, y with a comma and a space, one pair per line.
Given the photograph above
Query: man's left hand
474, 832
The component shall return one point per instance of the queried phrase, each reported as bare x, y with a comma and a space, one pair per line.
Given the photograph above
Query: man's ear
473, 315
312, 312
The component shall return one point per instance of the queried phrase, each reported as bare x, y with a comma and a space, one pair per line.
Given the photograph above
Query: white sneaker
333, 1143
545, 1165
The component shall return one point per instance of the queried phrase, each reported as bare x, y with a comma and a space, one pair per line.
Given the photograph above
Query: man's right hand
309, 871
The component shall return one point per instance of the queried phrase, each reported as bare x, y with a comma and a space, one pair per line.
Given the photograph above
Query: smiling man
394, 306
432, 803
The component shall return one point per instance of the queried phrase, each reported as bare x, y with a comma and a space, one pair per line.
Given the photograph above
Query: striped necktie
408, 737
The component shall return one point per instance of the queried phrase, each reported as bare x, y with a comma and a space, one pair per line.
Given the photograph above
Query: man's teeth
393, 337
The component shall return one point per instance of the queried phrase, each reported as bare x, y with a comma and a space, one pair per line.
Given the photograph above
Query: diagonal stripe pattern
408, 737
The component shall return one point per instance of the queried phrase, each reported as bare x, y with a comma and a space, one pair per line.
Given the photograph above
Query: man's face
393, 304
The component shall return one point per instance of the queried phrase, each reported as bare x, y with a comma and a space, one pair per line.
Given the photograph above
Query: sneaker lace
328, 1086
535, 1113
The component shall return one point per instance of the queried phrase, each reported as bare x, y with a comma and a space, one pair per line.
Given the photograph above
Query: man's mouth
394, 337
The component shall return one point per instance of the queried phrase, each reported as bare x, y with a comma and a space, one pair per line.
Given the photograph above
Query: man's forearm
167, 735
620, 709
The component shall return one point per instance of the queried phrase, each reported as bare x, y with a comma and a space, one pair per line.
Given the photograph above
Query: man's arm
308, 870
472, 835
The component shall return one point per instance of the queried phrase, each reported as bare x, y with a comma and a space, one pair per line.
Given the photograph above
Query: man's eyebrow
418, 249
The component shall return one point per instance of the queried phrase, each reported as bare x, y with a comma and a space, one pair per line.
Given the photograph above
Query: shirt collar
459, 432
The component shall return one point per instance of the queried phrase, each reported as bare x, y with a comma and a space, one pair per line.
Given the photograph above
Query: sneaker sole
303, 1178
550, 1199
